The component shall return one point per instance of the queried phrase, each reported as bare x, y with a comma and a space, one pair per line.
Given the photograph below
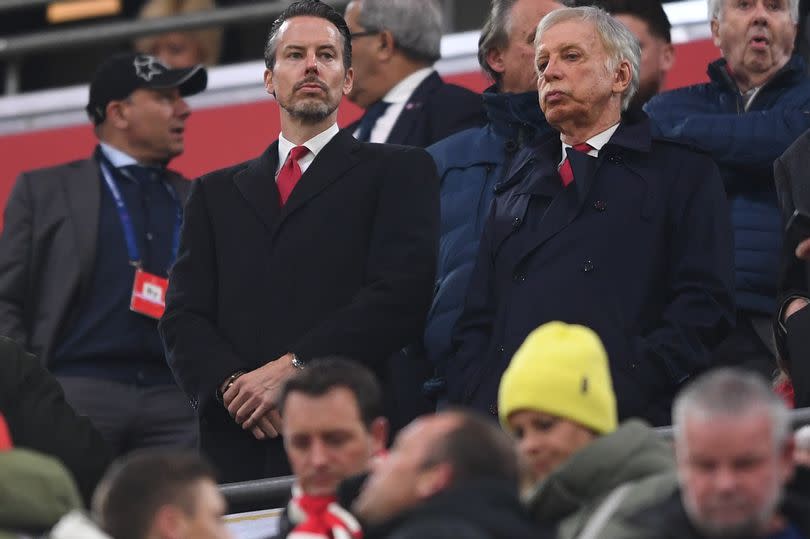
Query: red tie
290, 172
566, 172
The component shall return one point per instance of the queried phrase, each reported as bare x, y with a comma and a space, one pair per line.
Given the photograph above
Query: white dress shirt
596, 142
315, 145
117, 158
398, 96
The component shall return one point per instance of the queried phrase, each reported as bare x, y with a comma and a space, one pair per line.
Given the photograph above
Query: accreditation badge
148, 294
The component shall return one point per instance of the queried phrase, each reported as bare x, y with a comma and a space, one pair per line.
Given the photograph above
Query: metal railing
13, 49
274, 492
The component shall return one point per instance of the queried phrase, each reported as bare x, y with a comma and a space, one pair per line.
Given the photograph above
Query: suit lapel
82, 188
412, 112
567, 204
332, 162
257, 185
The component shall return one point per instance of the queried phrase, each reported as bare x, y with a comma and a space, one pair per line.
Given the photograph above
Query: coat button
501, 349
600, 205
519, 277
587, 266
615, 159
493, 409
516, 222
510, 146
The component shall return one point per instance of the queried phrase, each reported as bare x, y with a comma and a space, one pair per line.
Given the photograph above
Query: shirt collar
402, 90
596, 142
117, 157
315, 144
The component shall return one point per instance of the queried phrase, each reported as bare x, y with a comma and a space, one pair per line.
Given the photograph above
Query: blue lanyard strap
126, 221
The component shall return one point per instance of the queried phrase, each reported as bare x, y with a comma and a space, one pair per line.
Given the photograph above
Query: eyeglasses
364, 33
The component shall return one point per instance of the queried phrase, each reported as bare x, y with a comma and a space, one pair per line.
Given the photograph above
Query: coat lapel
412, 112
82, 188
257, 185
332, 162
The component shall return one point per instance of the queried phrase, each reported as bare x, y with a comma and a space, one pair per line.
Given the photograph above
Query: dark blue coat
469, 164
639, 250
712, 117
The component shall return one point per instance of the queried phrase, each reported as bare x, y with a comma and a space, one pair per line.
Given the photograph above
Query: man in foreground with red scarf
333, 426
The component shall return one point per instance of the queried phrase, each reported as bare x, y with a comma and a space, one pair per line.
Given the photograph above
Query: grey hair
495, 33
716, 11
620, 44
415, 24
731, 392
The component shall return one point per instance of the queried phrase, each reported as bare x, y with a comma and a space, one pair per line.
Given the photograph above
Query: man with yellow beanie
556, 398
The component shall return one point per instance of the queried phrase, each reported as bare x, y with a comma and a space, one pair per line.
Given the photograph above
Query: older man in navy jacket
600, 224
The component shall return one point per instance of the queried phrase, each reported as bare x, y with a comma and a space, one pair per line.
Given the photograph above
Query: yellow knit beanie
561, 369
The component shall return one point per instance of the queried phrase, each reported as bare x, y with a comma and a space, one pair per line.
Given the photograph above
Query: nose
318, 455
312, 62
182, 110
760, 15
725, 480
552, 70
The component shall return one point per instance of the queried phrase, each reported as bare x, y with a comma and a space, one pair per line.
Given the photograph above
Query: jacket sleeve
188, 326
473, 330
749, 142
16, 243
389, 311
700, 305
40, 418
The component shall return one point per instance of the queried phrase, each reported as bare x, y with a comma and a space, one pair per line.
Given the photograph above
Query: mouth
311, 87
554, 96
759, 42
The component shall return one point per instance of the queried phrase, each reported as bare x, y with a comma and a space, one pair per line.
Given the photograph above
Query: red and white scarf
320, 517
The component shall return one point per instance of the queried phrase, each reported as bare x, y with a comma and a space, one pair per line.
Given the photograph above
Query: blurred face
176, 49
402, 479
756, 38
657, 57
308, 78
731, 472
207, 520
546, 441
326, 440
153, 123
367, 53
515, 61
578, 95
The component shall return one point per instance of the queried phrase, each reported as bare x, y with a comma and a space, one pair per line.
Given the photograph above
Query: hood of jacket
35, 491
634, 451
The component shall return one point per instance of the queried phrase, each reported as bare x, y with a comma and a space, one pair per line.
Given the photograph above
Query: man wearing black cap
85, 251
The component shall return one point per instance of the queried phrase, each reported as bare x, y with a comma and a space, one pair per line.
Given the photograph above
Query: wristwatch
297, 363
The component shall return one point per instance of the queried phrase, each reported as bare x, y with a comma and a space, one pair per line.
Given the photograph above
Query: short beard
311, 112
757, 521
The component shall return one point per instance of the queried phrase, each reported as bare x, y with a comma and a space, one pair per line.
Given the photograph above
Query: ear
348, 81
667, 59
788, 459
268, 82
116, 114
715, 25
169, 522
379, 435
622, 77
434, 480
494, 59
386, 45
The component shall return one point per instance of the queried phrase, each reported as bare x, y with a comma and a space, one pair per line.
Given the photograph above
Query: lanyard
123, 213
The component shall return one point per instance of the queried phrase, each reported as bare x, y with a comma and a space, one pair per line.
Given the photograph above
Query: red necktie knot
290, 173
566, 172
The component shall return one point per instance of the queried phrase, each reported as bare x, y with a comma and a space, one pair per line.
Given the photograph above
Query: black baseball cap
120, 75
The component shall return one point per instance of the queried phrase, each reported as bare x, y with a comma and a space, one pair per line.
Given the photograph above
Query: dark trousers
132, 417
797, 342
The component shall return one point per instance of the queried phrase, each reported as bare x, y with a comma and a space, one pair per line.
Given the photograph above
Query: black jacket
346, 267
40, 419
472, 510
433, 112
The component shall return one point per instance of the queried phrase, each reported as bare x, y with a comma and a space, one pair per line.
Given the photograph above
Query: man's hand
795, 305
252, 397
803, 249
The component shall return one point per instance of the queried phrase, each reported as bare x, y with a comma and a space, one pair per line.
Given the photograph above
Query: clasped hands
251, 398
